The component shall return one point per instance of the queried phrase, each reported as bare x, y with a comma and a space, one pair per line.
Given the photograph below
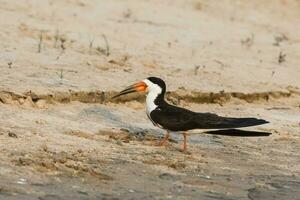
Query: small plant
273, 73
280, 38
9, 64
127, 14
248, 42
62, 44
60, 74
281, 57
106, 44
106, 50
196, 68
91, 45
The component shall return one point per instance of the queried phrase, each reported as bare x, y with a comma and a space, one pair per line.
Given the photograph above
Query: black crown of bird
177, 119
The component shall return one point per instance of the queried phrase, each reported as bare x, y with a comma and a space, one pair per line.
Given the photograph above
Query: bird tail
242, 122
217, 122
238, 133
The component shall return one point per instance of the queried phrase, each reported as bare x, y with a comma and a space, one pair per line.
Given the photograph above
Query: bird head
150, 84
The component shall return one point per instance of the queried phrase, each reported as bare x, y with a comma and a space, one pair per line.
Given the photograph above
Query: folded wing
180, 119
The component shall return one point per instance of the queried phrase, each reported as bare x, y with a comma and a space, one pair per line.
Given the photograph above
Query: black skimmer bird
173, 118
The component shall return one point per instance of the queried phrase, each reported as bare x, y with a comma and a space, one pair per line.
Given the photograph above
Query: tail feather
212, 121
243, 122
238, 133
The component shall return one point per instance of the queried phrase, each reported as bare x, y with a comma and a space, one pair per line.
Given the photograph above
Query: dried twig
91, 45
105, 51
220, 62
40, 42
106, 44
56, 38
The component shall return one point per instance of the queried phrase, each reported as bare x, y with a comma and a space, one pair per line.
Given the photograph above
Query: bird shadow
239, 133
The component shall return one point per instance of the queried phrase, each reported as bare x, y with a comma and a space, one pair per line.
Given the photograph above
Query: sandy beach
63, 137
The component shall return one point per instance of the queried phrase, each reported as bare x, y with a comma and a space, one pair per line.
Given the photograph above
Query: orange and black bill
137, 87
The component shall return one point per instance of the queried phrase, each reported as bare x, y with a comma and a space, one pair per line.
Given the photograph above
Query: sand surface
62, 137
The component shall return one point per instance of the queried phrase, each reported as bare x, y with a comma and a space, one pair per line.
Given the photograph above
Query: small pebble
11, 134
22, 181
119, 142
75, 186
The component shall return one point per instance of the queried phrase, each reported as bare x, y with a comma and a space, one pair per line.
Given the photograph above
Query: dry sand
62, 137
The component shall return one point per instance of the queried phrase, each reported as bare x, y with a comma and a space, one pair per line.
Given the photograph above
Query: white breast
153, 91
150, 105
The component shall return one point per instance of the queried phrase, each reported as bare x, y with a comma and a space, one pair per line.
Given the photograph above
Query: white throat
153, 91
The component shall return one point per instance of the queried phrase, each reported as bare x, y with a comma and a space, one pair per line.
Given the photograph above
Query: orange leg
164, 141
185, 141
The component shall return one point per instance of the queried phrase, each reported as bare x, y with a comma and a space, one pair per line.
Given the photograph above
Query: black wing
174, 118
179, 119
